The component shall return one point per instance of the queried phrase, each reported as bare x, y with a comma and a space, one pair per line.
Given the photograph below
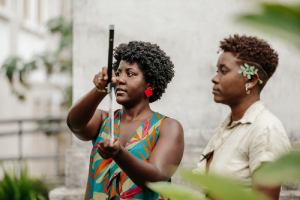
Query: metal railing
48, 125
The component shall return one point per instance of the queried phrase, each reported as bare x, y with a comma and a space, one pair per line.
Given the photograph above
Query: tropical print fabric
106, 180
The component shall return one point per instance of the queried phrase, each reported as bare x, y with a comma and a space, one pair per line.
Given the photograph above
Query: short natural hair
253, 50
156, 66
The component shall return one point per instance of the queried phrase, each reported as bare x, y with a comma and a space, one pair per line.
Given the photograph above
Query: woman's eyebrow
129, 68
223, 65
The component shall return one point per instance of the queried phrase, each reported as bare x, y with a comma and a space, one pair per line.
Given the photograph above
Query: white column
14, 28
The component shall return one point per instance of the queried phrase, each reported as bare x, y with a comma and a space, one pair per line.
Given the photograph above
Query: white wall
188, 31
3, 40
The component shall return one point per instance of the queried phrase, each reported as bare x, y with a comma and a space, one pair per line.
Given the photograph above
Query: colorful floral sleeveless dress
106, 180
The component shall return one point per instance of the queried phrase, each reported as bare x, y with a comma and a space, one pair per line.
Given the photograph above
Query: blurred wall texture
190, 33
24, 34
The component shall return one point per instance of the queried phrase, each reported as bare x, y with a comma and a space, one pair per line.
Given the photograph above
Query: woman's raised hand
105, 150
100, 79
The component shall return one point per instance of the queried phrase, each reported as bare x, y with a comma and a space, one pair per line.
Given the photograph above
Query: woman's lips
120, 91
215, 91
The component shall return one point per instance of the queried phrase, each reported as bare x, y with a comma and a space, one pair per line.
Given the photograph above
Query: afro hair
156, 66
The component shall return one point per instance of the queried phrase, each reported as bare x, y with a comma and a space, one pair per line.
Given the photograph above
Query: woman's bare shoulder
171, 125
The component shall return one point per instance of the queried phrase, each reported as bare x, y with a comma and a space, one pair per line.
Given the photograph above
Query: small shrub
23, 188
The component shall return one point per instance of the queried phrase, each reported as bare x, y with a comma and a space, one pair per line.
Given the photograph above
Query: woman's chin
217, 100
121, 100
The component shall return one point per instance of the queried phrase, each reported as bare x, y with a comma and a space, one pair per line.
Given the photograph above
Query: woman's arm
165, 156
269, 143
84, 119
272, 192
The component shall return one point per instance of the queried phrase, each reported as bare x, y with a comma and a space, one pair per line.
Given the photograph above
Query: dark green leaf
276, 19
286, 168
174, 192
221, 188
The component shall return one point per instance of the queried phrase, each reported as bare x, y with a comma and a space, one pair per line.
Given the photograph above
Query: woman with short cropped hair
251, 134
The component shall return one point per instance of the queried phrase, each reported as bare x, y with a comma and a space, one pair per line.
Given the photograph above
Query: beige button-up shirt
239, 149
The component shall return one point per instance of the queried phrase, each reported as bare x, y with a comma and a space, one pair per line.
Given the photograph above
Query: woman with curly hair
250, 135
147, 144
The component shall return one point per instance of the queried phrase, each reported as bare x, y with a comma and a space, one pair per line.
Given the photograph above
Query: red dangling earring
148, 92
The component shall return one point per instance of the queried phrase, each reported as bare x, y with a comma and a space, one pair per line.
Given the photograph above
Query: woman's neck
137, 112
238, 110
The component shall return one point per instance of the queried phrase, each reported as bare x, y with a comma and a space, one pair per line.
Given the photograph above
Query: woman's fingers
102, 150
113, 78
106, 151
102, 153
116, 144
104, 73
103, 77
100, 79
97, 80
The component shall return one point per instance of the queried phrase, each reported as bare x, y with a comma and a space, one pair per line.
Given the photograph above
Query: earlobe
254, 80
152, 87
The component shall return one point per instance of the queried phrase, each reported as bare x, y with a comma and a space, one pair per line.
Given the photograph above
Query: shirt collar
249, 116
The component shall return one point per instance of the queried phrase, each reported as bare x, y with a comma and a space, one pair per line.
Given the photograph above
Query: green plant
248, 71
64, 27
12, 65
58, 61
276, 19
215, 186
286, 168
23, 188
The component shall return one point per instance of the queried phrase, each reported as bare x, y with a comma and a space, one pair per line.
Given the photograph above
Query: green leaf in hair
248, 71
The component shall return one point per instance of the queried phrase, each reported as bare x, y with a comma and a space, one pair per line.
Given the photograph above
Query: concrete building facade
188, 31
24, 34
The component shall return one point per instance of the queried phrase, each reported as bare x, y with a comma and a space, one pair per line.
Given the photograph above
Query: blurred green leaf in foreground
286, 168
276, 19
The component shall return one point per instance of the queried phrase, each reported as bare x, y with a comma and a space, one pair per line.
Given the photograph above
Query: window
33, 12
39, 12
26, 10
5, 9
2, 3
